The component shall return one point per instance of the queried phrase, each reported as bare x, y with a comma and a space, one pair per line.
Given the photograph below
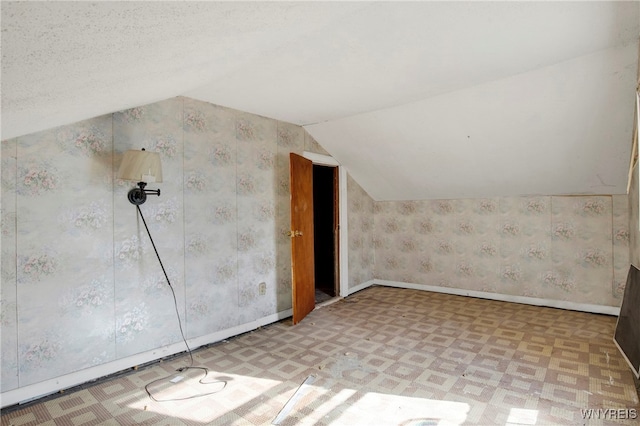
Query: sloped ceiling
418, 100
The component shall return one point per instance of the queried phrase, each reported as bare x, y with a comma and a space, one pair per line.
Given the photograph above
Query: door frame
343, 244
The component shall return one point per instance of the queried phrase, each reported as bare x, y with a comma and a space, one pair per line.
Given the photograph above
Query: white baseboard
583, 307
361, 286
47, 387
51, 386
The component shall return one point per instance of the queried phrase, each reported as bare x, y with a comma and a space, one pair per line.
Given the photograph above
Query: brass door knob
294, 234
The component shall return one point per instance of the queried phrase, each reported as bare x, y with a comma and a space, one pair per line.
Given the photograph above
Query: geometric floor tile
383, 356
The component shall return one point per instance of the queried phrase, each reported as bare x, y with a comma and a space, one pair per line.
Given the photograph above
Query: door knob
294, 234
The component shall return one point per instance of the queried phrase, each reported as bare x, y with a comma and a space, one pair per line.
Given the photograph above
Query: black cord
175, 304
206, 372
175, 301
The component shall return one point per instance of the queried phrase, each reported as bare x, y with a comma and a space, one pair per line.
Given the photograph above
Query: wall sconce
142, 167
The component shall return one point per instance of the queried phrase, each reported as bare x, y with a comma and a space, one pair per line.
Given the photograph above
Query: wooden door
302, 261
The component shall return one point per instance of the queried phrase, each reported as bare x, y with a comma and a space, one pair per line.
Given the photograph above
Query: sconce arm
138, 195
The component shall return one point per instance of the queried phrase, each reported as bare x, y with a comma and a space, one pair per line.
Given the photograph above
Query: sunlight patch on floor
334, 404
343, 407
223, 401
379, 408
522, 416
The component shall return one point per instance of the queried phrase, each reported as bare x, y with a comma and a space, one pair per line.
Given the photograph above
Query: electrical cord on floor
181, 369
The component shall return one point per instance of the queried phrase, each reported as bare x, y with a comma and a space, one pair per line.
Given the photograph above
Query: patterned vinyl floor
382, 356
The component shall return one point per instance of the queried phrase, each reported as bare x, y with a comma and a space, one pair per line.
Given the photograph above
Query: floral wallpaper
634, 219
8, 288
81, 285
561, 248
361, 234
64, 246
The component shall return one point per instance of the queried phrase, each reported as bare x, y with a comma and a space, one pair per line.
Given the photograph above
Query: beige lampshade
141, 166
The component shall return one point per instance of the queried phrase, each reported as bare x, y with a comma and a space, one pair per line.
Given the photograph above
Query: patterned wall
634, 219
81, 285
562, 248
8, 287
360, 229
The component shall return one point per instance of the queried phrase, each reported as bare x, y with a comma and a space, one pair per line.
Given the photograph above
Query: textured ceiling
418, 99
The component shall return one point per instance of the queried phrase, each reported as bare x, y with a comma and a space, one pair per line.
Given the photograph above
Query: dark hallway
325, 221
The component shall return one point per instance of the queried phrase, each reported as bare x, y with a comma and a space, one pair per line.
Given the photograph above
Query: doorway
326, 226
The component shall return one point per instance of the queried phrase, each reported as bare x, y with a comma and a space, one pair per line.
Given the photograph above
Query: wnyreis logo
609, 414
